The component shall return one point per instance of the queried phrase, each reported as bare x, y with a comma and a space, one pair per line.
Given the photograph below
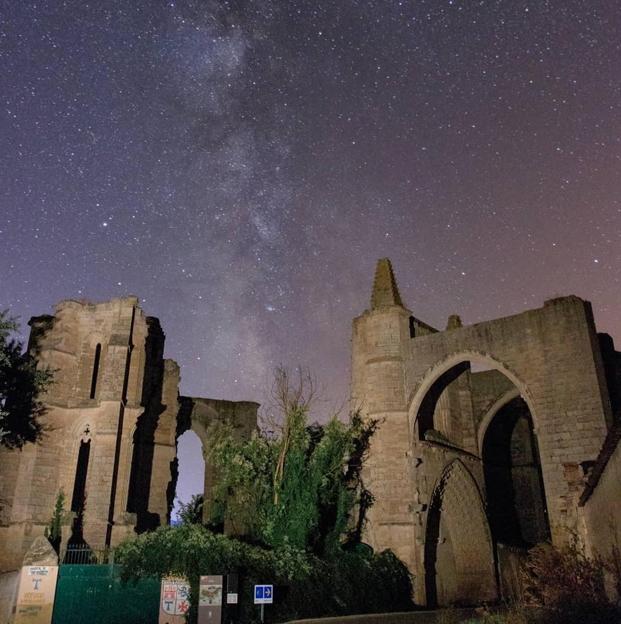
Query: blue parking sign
263, 594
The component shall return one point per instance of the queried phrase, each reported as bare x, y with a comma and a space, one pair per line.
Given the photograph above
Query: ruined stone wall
601, 508
164, 467
115, 397
200, 414
549, 356
83, 405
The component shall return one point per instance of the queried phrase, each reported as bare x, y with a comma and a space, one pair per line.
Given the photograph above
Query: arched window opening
191, 478
81, 471
77, 550
514, 484
95, 371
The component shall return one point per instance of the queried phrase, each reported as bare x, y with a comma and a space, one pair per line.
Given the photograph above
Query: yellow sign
35, 598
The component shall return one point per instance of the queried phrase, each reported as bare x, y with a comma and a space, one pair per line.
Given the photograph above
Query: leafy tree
21, 384
301, 488
192, 511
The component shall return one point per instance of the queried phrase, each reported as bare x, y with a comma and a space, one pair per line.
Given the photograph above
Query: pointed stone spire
385, 290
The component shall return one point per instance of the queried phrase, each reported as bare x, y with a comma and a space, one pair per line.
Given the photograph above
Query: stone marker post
37, 584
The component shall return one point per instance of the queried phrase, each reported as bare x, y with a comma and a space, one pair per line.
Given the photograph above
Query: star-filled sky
240, 166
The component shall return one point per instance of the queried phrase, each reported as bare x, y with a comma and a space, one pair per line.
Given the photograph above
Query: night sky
240, 166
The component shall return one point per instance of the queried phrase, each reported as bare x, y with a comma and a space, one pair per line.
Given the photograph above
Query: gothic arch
455, 361
516, 501
197, 416
458, 554
499, 403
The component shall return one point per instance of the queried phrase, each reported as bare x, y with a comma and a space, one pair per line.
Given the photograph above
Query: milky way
240, 166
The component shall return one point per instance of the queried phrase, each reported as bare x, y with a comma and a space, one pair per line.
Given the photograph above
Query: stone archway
490, 414
458, 556
516, 501
199, 415
190, 470
424, 397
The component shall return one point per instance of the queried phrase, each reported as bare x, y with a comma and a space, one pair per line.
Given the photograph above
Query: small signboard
263, 594
174, 600
210, 600
232, 598
35, 597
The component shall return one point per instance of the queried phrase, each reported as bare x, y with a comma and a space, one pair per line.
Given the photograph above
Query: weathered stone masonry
499, 434
113, 418
452, 432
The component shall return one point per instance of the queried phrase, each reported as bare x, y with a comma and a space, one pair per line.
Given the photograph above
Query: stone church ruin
499, 434
493, 436
113, 417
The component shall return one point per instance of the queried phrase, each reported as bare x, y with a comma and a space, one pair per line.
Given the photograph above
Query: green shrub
305, 586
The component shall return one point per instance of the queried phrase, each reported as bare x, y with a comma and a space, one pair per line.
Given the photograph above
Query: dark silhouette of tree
21, 384
192, 511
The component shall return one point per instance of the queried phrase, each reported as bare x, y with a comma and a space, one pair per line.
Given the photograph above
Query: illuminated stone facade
113, 418
484, 431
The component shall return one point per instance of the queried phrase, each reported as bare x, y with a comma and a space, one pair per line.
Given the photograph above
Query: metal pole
262, 607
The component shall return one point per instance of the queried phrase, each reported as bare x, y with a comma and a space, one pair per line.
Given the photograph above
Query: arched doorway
472, 402
447, 402
458, 556
515, 494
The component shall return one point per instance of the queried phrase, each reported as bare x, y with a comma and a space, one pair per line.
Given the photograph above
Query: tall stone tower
378, 357
111, 426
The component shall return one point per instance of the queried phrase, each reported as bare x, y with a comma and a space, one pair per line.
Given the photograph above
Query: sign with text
210, 600
263, 594
35, 597
174, 600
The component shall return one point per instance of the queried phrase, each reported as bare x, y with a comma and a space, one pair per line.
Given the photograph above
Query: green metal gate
94, 594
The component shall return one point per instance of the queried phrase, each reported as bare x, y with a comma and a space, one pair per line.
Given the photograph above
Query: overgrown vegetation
301, 488
21, 384
567, 586
295, 501
559, 586
305, 585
